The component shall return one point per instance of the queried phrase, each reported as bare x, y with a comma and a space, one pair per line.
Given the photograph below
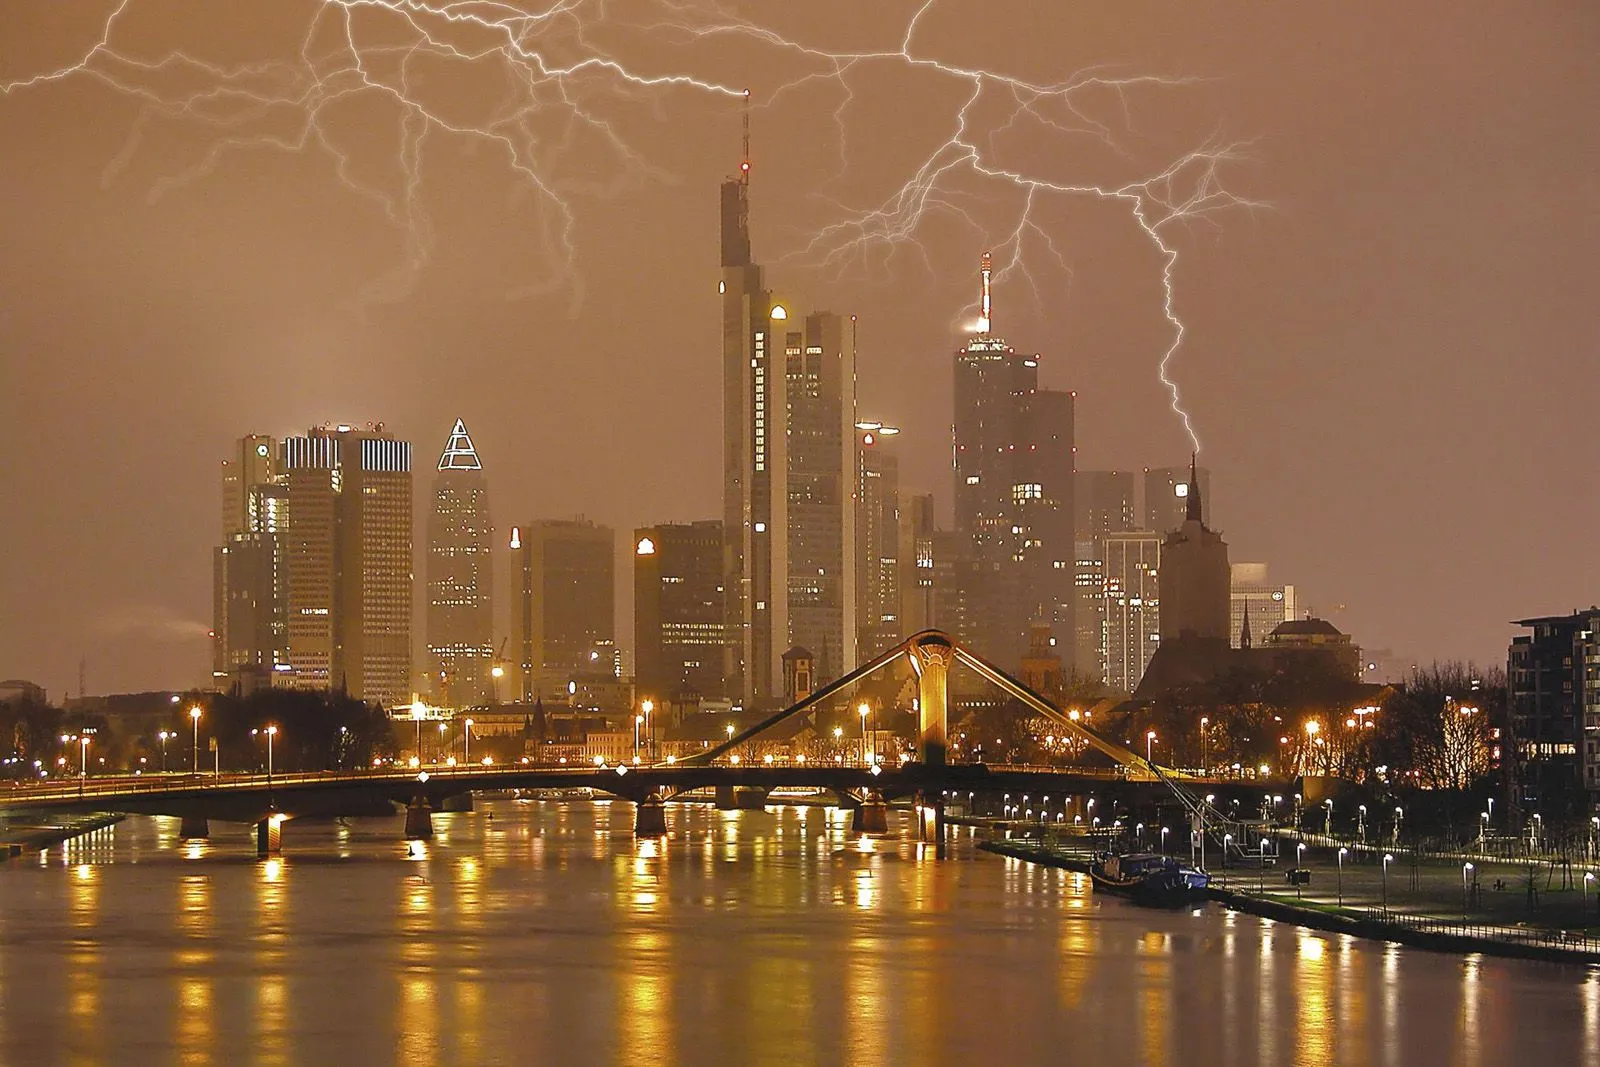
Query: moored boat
1150, 879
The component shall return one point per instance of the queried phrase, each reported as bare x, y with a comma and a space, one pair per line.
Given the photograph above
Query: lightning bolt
554, 78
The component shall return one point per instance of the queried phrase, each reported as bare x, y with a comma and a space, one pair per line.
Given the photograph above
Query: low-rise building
1553, 693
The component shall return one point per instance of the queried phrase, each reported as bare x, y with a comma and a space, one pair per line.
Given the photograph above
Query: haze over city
1389, 340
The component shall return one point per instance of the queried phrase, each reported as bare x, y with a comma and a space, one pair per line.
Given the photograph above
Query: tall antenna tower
744, 164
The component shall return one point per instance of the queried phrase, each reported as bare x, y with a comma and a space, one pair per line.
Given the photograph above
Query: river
544, 933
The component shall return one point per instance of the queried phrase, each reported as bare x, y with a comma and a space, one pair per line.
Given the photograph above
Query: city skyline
283, 337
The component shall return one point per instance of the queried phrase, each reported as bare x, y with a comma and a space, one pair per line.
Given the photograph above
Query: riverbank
1397, 924
20, 836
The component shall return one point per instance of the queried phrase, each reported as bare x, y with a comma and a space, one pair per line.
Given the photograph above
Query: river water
543, 933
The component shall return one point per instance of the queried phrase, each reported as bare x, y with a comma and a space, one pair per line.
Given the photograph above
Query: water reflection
87, 1035
194, 1019
745, 937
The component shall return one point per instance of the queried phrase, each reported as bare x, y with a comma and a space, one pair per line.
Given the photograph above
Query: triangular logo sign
459, 455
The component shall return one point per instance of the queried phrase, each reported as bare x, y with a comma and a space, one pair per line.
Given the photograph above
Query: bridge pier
750, 798
269, 835
460, 802
725, 798
650, 817
419, 819
872, 817
932, 654
930, 827
194, 827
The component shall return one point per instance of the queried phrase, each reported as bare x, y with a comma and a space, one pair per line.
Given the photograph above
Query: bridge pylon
932, 656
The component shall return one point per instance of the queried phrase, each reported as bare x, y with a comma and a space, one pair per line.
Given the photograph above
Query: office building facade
878, 538
460, 577
249, 634
789, 474
1132, 605
1258, 602
565, 571
678, 611
1013, 491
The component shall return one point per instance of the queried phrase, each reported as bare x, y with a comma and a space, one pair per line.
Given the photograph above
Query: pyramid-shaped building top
459, 455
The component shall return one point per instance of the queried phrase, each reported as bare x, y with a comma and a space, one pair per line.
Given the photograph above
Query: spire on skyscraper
985, 309
459, 455
1192, 501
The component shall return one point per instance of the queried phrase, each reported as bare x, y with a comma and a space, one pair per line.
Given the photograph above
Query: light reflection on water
550, 934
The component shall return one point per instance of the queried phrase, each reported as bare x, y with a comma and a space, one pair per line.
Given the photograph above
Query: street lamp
1327, 821
1149, 743
1205, 721
83, 755
1399, 814
466, 737
194, 713
164, 734
864, 709
648, 706
1163, 840
1340, 875
419, 711
1361, 822
272, 731
1299, 851
1466, 892
638, 721
1388, 858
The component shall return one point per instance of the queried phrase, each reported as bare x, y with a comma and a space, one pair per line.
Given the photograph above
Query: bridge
267, 801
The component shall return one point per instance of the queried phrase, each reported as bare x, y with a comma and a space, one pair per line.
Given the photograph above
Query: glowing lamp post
864, 709
1149, 745
164, 735
272, 731
466, 738
647, 706
1388, 858
1341, 856
419, 711
194, 714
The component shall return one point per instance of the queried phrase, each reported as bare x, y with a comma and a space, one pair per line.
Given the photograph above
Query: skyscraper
1103, 504
878, 538
1013, 490
460, 619
747, 502
1195, 577
347, 554
1133, 605
248, 627
677, 610
565, 569
1166, 495
916, 562
789, 473
1266, 603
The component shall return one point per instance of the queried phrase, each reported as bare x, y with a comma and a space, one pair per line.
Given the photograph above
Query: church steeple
1244, 631
1192, 509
